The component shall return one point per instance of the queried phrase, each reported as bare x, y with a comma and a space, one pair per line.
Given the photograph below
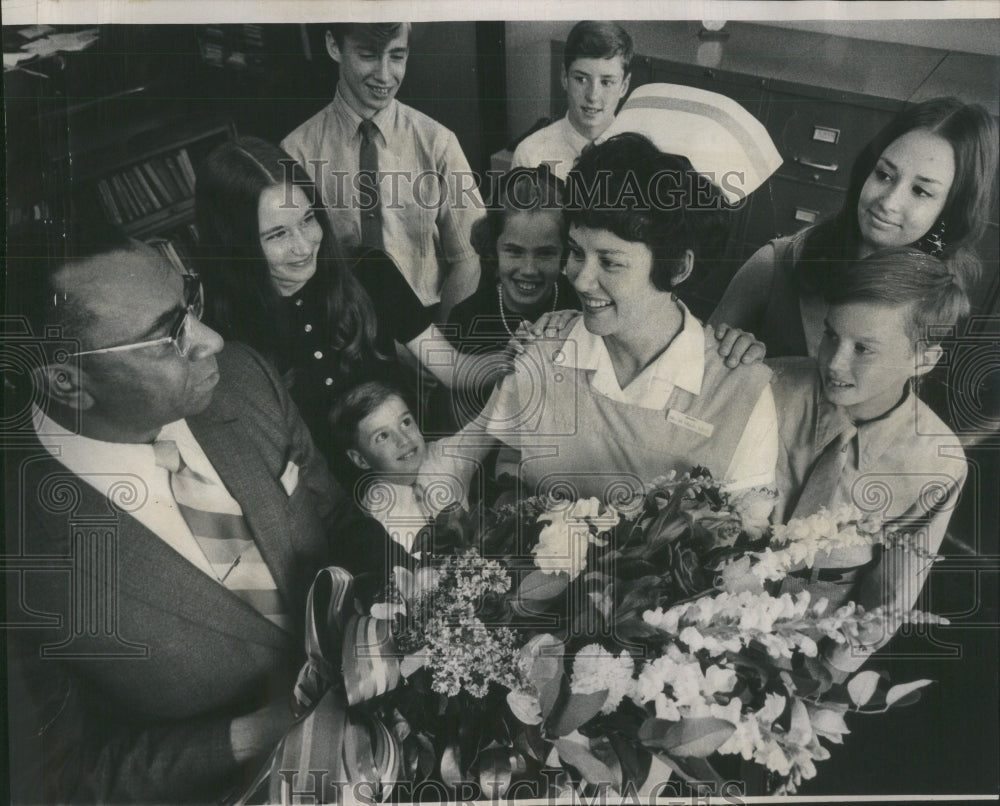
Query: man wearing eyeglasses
162, 669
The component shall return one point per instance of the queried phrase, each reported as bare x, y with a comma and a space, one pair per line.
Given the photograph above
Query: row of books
146, 187
238, 46
21, 214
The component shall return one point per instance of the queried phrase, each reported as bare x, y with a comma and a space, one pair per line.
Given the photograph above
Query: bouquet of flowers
570, 647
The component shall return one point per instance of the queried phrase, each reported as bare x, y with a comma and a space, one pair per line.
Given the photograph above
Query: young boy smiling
407, 481
366, 129
597, 67
848, 424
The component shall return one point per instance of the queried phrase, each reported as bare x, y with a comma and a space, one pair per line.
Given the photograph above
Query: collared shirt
566, 415
428, 192
682, 365
443, 480
558, 145
105, 465
905, 448
909, 468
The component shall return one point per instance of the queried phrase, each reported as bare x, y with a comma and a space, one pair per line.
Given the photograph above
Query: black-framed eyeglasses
180, 330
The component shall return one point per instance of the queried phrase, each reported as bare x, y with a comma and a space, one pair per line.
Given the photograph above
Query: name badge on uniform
682, 420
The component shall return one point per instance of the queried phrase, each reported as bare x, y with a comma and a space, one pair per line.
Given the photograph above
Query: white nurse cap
718, 136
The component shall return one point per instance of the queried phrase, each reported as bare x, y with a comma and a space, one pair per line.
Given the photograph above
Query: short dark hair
519, 190
36, 259
903, 276
356, 404
619, 186
375, 35
598, 40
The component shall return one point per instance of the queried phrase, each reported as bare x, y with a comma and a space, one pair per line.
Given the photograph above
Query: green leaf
546, 672
632, 627
862, 686
602, 749
578, 710
419, 755
818, 671
804, 683
539, 586
595, 772
530, 742
635, 761
896, 694
641, 594
451, 765
665, 529
689, 737
552, 694
495, 771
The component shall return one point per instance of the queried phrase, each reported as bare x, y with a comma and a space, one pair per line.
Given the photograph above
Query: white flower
774, 706
595, 669
754, 510
691, 637
562, 544
745, 739
775, 759
737, 576
718, 680
807, 646
730, 712
828, 723
666, 708
589, 510
663, 621
800, 731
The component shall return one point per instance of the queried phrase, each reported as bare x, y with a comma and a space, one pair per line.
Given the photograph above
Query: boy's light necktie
820, 488
222, 533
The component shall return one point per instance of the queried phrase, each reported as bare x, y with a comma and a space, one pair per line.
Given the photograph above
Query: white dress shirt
105, 465
557, 145
682, 364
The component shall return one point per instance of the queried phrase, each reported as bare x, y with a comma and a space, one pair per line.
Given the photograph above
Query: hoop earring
933, 242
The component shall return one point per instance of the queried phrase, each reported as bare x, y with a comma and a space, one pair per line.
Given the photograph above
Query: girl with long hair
925, 181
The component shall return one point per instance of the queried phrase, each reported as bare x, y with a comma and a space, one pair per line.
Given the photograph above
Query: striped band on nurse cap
718, 136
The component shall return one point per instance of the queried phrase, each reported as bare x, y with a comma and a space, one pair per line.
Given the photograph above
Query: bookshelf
147, 186
110, 135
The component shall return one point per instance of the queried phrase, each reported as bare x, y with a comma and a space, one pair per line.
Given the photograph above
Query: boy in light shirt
597, 67
407, 482
852, 430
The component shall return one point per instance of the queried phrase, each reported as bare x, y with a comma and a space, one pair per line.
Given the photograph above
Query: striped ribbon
330, 595
327, 751
331, 744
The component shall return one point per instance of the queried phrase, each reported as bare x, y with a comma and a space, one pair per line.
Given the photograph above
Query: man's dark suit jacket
153, 724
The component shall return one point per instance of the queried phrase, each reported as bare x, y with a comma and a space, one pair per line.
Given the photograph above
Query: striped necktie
217, 523
371, 207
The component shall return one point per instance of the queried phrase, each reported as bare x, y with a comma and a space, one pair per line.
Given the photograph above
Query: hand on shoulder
738, 347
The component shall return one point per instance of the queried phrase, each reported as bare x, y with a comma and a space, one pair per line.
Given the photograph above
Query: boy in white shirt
853, 431
407, 482
597, 66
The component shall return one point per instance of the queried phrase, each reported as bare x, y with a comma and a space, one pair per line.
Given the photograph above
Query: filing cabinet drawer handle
832, 167
806, 215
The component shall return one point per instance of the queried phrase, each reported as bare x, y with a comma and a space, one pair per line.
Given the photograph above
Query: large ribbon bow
350, 658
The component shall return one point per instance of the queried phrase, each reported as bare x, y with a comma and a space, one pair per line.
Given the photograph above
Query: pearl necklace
503, 318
